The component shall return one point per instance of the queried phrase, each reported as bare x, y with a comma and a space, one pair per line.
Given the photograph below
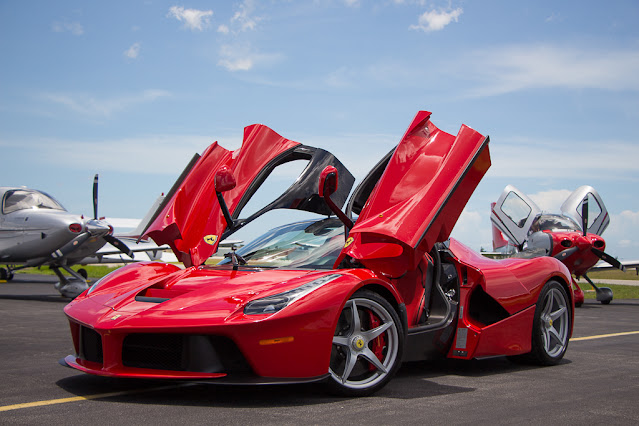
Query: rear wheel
551, 325
367, 345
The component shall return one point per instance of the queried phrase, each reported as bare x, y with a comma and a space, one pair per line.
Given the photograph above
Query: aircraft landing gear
70, 287
6, 274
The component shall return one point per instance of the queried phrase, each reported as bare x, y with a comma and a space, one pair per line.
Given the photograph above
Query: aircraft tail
137, 232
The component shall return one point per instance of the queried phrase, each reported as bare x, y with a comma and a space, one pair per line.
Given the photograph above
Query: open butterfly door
513, 214
598, 218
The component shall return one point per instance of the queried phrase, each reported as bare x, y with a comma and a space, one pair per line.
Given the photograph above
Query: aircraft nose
98, 228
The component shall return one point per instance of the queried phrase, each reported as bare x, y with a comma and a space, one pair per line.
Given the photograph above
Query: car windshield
554, 223
21, 199
305, 245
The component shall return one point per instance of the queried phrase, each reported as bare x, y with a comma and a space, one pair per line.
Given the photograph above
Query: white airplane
36, 230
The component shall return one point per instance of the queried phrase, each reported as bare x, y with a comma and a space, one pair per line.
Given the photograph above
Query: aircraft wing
107, 254
628, 264
150, 250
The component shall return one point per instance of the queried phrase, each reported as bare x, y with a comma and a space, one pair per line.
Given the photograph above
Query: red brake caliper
379, 343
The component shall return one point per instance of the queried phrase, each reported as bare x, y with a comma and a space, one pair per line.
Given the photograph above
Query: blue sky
130, 90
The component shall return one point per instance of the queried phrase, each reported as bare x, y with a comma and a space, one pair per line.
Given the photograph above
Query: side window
14, 201
594, 209
277, 182
516, 209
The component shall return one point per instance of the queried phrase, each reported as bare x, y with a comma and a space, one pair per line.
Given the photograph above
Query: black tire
365, 355
83, 273
4, 275
551, 325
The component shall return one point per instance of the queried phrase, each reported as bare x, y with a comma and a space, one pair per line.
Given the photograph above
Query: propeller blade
609, 259
71, 246
119, 245
564, 254
95, 197
584, 215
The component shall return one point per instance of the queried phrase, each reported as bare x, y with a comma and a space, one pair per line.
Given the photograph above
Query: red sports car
342, 299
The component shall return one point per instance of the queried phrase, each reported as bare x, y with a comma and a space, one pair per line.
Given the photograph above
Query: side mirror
224, 179
328, 182
328, 186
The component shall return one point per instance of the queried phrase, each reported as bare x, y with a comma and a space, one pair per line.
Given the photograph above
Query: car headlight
277, 302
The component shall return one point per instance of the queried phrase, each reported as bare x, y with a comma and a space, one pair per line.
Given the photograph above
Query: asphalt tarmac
596, 383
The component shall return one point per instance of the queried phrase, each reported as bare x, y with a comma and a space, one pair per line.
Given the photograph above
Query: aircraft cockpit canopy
22, 199
554, 223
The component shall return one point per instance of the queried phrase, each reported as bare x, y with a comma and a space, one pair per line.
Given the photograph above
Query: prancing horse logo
210, 239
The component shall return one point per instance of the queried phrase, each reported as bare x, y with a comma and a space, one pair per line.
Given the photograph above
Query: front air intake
183, 352
90, 345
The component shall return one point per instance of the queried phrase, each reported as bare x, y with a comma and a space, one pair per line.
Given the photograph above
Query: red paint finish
415, 204
194, 212
584, 259
422, 192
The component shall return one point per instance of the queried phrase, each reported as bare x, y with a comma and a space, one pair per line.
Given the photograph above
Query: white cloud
243, 58
509, 69
352, 3
473, 230
133, 51
550, 201
152, 154
513, 157
553, 17
243, 20
436, 20
193, 19
622, 236
74, 28
89, 105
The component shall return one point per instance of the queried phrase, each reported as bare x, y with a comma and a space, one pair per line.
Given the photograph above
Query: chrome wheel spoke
550, 300
370, 356
366, 331
351, 359
558, 313
371, 334
341, 340
355, 324
552, 333
545, 337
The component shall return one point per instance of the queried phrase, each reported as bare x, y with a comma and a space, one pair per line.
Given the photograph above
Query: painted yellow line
85, 397
131, 392
601, 336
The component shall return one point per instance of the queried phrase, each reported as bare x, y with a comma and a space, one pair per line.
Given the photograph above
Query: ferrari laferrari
373, 280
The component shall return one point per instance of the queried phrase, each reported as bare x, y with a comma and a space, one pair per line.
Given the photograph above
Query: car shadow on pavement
414, 380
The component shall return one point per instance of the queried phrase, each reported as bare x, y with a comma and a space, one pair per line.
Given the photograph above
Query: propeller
608, 259
600, 254
564, 254
71, 245
95, 197
119, 245
109, 238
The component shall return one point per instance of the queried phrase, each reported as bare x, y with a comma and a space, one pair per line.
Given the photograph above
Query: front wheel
551, 325
367, 345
